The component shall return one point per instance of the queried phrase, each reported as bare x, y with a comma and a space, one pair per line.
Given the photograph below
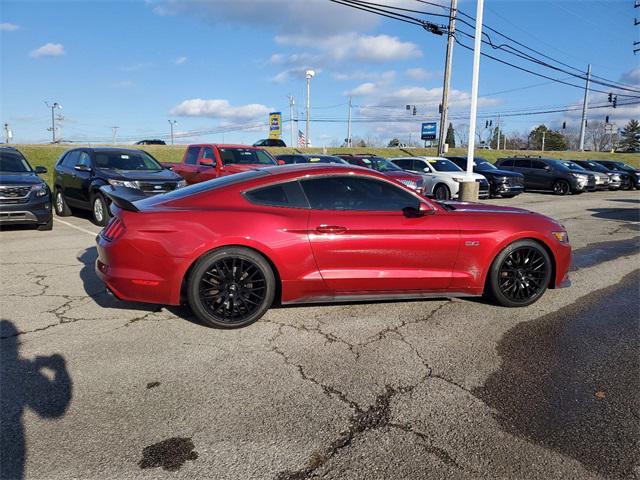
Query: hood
476, 176
500, 173
143, 175
237, 168
402, 175
28, 178
482, 208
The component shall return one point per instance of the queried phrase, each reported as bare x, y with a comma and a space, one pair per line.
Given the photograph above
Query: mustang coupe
234, 246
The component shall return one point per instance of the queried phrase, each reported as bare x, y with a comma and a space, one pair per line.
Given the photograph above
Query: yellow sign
275, 125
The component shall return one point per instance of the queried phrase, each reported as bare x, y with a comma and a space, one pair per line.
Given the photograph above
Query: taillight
113, 229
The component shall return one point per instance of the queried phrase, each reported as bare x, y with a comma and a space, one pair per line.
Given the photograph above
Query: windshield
444, 166
127, 160
380, 164
324, 159
623, 166
596, 167
245, 156
484, 165
13, 162
573, 166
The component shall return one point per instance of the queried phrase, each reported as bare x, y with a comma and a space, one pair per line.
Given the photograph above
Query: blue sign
429, 131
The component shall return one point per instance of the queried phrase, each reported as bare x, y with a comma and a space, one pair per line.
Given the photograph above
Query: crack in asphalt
429, 447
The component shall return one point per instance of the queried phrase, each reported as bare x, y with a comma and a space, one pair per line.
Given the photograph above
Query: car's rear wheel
520, 274
100, 210
60, 204
561, 187
231, 287
441, 192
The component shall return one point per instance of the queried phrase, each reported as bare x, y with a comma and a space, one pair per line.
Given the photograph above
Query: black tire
222, 277
508, 196
46, 226
100, 210
60, 204
515, 282
561, 187
441, 192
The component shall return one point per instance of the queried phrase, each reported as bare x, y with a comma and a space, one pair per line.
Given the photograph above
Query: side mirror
547, 168
207, 163
281, 162
82, 168
40, 169
412, 212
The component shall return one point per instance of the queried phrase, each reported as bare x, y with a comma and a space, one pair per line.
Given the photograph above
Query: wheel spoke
522, 274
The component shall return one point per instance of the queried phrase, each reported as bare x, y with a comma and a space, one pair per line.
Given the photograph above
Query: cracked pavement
390, 390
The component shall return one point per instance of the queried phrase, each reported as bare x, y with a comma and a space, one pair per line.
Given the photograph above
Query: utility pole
292, 102
498, 129
585, 104
349, 126
114, 131
469, 188
447, 77
543, 135
53, 119
171, 124
308, 75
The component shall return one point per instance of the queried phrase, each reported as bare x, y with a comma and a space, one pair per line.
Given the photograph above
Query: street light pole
114, 131
447, 77
309, 75
53, 119
349, 125
469, 188
292, 102
585, 103
171, 124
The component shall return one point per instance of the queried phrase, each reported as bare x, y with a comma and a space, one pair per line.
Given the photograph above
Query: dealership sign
275, 125
428, 131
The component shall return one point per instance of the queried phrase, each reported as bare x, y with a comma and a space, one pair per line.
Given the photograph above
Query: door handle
330, 229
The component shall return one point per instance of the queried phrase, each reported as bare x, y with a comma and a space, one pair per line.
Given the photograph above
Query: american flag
302, 141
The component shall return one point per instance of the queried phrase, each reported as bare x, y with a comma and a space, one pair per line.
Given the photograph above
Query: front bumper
36, 210
506, 189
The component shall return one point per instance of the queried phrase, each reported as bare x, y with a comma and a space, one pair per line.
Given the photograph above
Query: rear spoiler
123, 197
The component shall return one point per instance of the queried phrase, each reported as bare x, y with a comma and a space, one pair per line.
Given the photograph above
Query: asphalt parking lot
95, 388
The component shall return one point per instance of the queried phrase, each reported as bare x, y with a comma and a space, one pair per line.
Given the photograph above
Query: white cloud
363, 89
8, 27
418, 74
48, 50
632, 77
180, 60
220, 109
379, 77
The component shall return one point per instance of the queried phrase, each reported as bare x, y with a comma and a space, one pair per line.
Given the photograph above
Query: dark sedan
634, 173
502, 183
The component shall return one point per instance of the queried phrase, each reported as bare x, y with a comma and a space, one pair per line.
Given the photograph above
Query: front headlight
124, 183
181, 184
562, 236
458, 179
614, 177
41, 189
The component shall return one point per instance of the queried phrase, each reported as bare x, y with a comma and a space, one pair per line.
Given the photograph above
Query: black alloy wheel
231, 287
520, 274
561, 187
442, 192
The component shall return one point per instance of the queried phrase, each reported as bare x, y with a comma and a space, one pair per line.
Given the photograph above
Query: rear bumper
35, 211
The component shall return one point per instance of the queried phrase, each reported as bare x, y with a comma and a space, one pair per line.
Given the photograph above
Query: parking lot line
76, 227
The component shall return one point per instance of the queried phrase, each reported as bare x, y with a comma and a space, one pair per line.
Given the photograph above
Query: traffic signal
615, 101
414, 110
564, 125
606, 119
440, 109
610, 97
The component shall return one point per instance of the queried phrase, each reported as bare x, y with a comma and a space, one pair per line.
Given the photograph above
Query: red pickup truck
206, 161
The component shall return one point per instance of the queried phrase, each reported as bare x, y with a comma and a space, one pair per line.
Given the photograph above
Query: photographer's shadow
24, 384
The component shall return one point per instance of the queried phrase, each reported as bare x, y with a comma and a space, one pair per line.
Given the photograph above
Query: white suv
442, 177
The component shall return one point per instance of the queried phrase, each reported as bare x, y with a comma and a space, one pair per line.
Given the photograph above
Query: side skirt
376, 297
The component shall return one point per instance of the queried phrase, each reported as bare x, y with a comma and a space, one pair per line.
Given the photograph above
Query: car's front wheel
231, 287
60, 204
100, 210
441, 192
561, 187
520, 274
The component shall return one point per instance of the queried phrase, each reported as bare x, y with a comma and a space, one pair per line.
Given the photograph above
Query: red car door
363, 241
188, 169
207, 163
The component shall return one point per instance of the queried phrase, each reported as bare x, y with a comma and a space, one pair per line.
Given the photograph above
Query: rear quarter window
287, 194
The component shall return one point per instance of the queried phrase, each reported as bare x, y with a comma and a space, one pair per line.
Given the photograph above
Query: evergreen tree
631, 136
451, 137
552, 140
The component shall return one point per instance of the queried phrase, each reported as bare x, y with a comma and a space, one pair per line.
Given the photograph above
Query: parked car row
80, 174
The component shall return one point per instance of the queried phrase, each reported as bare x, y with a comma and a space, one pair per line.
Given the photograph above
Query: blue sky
224, 64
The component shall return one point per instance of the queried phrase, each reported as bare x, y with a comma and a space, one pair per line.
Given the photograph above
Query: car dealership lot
437, 389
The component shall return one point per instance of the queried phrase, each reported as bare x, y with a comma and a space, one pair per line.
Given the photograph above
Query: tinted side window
404, 164
84, 159
538, 164
420, 165
192, 155
71, 159
353, 193
506, 163
281, 195
520, 163
207, 153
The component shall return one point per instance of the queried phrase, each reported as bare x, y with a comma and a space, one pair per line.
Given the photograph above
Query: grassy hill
47, 155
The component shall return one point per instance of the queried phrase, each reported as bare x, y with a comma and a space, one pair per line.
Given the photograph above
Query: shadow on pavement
24, 384
570, 381
619, 214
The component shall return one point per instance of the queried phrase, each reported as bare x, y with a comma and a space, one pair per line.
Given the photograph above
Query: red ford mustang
234, 246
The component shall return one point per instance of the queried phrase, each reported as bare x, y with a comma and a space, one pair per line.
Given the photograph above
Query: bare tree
462, 135
597, 135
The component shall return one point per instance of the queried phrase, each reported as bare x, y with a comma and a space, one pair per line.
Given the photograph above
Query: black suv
300, 158
617, 178
24, 197
549, 174
634, 173
502, 183
270, 142
81, 172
